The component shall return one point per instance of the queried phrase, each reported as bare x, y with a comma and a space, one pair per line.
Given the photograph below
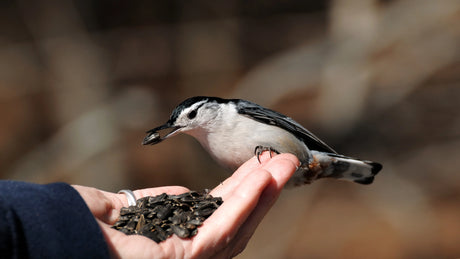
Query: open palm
248, 195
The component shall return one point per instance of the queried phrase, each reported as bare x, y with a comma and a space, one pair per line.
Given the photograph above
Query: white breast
232, 141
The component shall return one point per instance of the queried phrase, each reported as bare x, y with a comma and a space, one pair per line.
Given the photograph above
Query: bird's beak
153, 136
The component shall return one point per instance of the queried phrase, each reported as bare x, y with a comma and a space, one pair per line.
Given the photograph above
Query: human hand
248, 195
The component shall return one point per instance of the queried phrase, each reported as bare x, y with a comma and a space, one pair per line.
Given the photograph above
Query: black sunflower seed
158, 217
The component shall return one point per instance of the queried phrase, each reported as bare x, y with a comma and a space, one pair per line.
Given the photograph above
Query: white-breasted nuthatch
233, 130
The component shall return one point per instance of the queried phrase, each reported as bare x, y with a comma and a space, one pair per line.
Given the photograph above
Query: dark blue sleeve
47, 221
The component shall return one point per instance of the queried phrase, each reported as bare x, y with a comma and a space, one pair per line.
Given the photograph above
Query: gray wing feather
274, 118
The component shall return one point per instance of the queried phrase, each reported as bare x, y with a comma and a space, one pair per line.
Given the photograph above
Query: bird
234, 130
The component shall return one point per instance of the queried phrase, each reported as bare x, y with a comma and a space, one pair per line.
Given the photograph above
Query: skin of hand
248, 195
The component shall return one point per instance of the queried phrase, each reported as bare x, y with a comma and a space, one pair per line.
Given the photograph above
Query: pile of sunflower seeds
158, 217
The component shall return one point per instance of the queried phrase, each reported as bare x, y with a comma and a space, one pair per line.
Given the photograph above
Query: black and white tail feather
337, 166
229, 129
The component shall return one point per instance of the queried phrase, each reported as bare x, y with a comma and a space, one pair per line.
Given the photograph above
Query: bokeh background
81, 82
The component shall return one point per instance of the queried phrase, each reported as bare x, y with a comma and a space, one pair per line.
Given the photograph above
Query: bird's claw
260, 149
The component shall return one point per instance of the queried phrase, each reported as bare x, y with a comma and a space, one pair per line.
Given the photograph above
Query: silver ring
130, 195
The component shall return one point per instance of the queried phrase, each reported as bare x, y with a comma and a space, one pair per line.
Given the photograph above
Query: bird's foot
260, 149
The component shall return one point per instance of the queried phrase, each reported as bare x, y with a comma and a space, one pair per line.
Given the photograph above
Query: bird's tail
341, 167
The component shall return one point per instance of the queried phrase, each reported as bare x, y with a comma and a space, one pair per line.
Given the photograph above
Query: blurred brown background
80, 83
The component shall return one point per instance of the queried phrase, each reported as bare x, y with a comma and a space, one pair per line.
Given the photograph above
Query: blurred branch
380, 52
70, 148
76, 67
76, 75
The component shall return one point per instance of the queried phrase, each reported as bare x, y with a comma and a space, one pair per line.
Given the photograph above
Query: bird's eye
192, 114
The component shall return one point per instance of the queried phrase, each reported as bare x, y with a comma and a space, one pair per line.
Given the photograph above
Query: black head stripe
192, 100
183, 105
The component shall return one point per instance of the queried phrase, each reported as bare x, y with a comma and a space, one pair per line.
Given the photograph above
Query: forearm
47, 221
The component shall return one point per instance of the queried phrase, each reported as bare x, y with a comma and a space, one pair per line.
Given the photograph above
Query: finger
235, 179
120, 200
223, 224
282, 167
281, 171
99, 202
